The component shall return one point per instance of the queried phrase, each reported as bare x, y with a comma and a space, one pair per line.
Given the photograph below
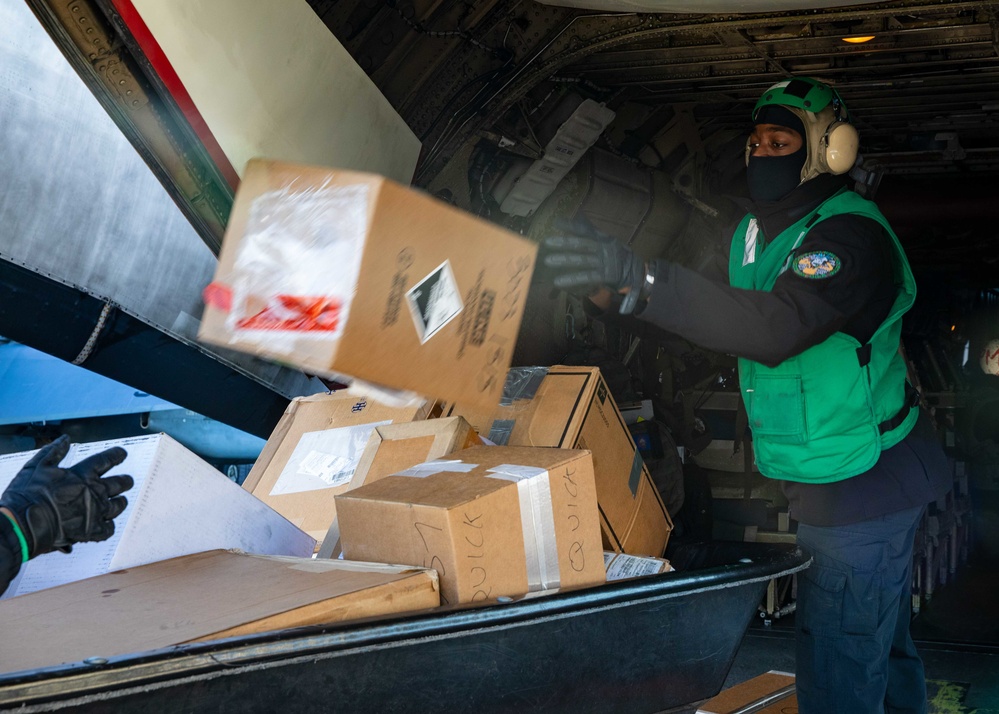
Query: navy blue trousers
854, 652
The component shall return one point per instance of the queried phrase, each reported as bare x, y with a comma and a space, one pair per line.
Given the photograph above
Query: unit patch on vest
817, 264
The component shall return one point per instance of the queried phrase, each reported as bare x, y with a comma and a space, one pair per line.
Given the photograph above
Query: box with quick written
397, 447
313, 453
571, 408
493, 521
347, 273
206, 596
179, 505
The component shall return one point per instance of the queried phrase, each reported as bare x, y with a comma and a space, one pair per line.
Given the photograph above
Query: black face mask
773, 177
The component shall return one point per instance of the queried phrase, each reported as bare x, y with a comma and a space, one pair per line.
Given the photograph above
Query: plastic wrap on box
296, 271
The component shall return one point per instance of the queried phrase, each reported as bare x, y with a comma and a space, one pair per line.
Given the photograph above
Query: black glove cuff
651, 270
644, 279
14, 537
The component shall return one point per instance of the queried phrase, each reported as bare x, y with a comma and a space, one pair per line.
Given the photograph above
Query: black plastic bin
642, 645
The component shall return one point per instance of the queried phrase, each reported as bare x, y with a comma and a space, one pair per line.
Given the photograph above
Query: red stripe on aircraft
161, 65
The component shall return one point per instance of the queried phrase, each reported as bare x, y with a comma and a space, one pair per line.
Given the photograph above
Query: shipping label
324, 459
620, 566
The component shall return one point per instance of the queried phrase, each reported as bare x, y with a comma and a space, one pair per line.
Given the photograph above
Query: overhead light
858, 40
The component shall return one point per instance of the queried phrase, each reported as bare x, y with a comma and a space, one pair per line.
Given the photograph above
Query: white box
179, 505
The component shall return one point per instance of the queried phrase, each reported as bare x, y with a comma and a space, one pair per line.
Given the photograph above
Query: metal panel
78, 206
271, 80
35, 387
702, 6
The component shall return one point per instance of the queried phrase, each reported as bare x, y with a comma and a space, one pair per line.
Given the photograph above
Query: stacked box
493, 521
313, 454
397, 447
572, 408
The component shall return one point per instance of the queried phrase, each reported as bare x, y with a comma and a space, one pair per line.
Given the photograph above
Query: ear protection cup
840, 145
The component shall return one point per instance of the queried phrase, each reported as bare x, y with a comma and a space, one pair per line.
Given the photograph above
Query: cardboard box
770, 693
201, 597
313, 452
178, 505
346, 273
571, 408
397, 447
493, 521
621, 566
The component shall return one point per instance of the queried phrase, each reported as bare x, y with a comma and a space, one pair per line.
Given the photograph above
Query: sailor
812, 305
47, 507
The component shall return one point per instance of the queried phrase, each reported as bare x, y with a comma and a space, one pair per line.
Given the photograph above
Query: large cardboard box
493, 521
178, 505
769, 693
397, 447
206, 596
313, 453
346, 273
571, 408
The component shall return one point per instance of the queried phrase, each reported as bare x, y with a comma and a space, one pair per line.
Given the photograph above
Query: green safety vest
826, 414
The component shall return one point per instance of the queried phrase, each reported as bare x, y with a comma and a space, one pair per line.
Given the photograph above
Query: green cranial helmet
831, 139
803, 93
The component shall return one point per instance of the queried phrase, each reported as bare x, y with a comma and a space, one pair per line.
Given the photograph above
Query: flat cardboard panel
323, 417
469, 524
437, 303
769, 693
397, 447
573, 409
199, 597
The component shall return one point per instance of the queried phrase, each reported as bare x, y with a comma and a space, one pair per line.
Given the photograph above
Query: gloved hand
580, 262
57, 507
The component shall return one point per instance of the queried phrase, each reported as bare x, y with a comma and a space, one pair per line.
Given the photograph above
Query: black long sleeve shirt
772, 326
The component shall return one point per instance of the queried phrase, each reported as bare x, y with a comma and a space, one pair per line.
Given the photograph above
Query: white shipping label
324, 459
632, 566
434, 301
331, 468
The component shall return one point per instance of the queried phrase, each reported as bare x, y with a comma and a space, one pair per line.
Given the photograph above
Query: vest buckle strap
864, 355
912, 397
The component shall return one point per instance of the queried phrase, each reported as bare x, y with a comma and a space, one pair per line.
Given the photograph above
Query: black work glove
58, 507
590, 263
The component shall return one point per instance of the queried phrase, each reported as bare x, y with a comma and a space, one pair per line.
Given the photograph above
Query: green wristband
20, 537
